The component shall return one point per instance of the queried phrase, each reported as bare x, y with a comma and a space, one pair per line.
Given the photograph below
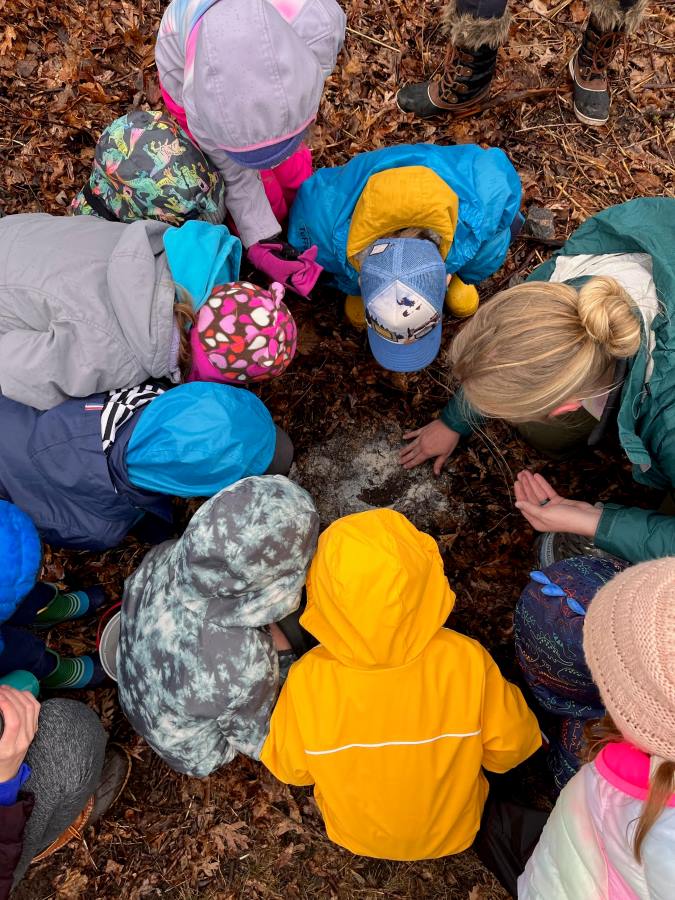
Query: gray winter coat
198, 674
86, 305
256, 75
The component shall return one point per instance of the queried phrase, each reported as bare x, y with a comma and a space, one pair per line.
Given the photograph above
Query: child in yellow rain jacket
393, 716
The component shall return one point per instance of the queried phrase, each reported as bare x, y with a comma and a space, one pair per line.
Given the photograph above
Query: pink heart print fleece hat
243, 334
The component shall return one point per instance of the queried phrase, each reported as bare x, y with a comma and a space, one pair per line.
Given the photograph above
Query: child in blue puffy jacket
89, 470
462, 199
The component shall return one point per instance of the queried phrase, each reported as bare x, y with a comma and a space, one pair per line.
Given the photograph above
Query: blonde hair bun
608, 314
539, 344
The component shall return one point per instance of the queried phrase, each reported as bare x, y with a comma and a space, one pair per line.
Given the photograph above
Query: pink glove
298, 271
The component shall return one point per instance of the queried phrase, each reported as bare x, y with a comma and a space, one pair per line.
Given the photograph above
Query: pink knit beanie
243, 333
629, 642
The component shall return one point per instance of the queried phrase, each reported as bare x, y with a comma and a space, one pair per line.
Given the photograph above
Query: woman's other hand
546, 510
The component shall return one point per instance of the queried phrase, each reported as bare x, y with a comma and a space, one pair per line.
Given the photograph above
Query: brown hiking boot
465, 81
589, 73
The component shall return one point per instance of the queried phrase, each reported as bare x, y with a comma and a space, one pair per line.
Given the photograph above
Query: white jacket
586, 849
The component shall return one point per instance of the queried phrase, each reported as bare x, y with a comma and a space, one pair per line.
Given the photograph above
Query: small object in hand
544, 502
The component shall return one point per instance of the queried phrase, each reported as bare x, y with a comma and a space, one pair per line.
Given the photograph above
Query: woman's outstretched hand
546, 510
432, 441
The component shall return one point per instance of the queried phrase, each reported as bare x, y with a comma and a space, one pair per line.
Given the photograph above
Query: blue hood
20, 555
198, 438
201, 256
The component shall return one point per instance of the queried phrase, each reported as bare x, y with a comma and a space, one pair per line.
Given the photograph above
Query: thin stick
373, 40
556, 9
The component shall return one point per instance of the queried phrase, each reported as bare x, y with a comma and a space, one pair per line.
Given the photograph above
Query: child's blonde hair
185, 318
661, 786
539, 344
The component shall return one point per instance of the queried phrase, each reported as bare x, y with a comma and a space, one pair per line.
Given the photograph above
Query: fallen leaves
67, 71
229, 837
8, 38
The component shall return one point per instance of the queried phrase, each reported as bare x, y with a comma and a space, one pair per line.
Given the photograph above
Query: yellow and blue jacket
469, 196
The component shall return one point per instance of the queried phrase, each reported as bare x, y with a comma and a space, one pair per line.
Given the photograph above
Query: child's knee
69, 746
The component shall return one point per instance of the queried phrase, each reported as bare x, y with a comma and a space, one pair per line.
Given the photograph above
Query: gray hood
198, 677
258, 76
86, 305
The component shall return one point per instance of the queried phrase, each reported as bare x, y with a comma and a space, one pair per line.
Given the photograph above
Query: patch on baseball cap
403, 284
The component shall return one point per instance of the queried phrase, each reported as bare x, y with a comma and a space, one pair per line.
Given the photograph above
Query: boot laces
458, 71
597, 50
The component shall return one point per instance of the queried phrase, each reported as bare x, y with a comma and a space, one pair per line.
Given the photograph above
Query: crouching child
197, 666
90, 470
393, 716
420, 222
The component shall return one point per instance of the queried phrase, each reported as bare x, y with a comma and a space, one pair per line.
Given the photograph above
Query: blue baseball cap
403, 285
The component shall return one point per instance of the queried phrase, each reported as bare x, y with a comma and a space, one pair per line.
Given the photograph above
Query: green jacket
646, 418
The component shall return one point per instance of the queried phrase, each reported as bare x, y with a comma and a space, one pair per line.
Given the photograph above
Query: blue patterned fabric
549, 647
198, 672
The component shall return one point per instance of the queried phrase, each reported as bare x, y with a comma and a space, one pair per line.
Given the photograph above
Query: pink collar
627, 769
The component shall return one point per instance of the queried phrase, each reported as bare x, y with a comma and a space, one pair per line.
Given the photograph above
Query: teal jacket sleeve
455, 415
641, 534
635, 534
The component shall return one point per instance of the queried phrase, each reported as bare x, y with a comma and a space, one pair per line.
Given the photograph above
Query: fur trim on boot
608, 14
465, 30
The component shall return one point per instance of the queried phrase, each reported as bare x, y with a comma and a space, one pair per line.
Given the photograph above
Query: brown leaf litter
66, 70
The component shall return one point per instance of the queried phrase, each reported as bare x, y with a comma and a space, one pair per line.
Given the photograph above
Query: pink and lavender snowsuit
240, 75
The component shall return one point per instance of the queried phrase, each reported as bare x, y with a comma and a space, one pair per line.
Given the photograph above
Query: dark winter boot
609, 22
589, 73
469, 66
466, 79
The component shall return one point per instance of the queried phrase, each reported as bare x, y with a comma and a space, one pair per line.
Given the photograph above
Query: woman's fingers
528, 490
415, 460
412, 434
542, 485
538, 490
409, 451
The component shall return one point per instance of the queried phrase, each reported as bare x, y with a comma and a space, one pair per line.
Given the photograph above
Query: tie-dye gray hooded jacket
198, 675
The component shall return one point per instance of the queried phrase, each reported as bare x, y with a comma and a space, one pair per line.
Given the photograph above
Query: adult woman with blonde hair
585, 343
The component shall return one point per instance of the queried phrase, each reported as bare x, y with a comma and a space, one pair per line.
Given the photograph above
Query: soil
358, 469
66, 71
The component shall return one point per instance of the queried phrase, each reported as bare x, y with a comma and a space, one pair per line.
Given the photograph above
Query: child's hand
546, 510
432, 440
20, 711
276, 258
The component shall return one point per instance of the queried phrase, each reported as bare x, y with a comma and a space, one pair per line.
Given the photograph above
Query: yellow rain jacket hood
393, 716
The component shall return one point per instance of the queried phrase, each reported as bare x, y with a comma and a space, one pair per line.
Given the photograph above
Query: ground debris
66, 70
